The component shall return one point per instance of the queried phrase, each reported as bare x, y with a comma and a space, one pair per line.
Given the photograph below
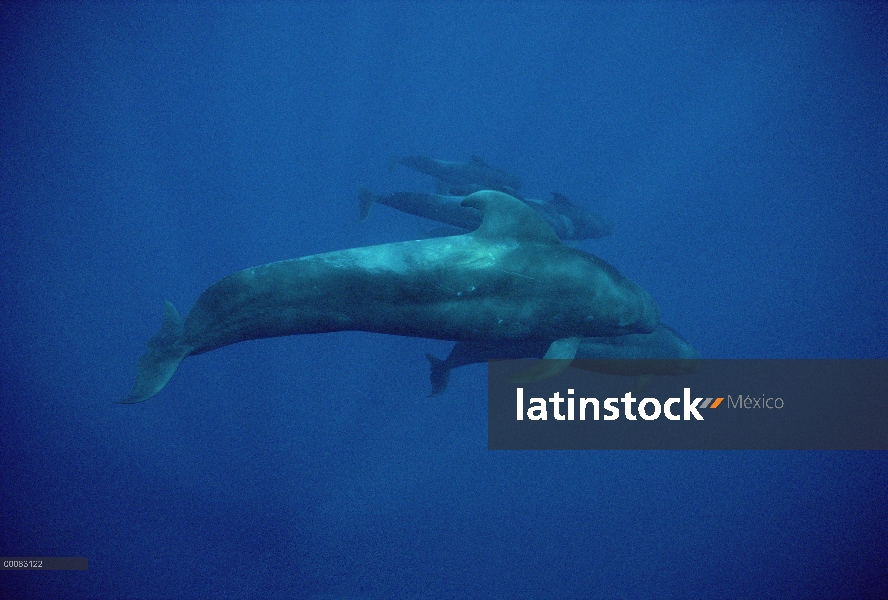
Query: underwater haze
150, 149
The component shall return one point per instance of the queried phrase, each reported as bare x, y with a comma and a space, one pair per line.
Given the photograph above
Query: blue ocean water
741, 150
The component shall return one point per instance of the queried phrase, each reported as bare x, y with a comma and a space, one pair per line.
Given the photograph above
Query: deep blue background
147, 151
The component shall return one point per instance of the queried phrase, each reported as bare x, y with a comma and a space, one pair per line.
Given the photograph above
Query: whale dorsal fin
506, 216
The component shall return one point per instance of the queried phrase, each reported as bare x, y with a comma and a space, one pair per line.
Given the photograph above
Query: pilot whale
661, 352
511, 279
569, 221
461, 178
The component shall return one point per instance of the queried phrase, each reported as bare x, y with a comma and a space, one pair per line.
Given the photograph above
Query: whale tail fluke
438, 376
366, 200
165, 352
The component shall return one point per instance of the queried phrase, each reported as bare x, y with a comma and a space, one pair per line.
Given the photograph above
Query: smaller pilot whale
510, 279
569, 221
462, 178
661, 352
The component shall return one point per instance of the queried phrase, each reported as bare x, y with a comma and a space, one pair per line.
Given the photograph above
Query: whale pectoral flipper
439, 373
366, 199
641, 384
564, 349
558, 357
165, 352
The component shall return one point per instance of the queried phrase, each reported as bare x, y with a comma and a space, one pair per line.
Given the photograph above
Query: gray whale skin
511, 279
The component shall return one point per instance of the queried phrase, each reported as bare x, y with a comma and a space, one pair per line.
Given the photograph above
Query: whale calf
661, 352
462, 178
511, 279
569, 221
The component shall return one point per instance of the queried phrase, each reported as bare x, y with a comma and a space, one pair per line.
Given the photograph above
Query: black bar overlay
44, 563
779, 404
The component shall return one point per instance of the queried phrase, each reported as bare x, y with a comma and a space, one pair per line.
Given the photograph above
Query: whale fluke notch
506, 216
165, 352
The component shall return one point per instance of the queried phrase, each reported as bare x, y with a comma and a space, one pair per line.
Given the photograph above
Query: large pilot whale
511, 279
661, 352
569, 221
